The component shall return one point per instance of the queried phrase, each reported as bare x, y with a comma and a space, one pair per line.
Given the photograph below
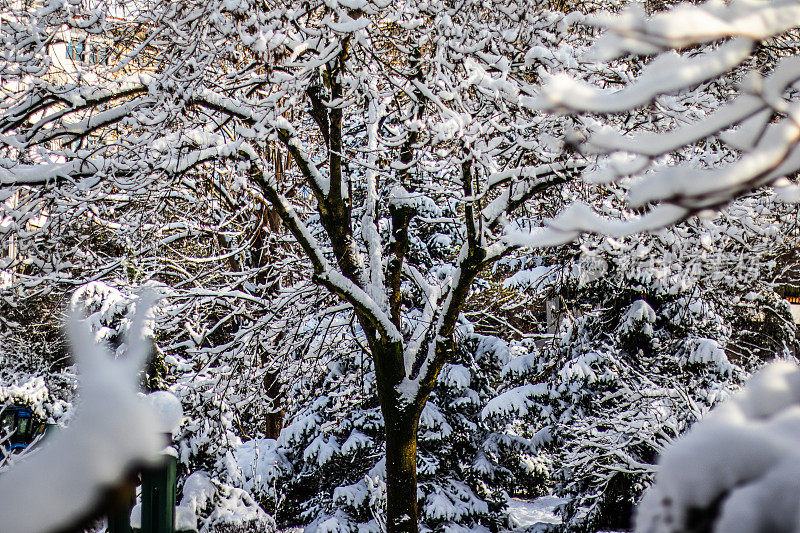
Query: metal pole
119, 517
158, 497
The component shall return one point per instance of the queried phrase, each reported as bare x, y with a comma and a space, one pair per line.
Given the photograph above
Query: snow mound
167, 408
198, 493
260, 463
32, 392
516, 401
739, 468
639, 317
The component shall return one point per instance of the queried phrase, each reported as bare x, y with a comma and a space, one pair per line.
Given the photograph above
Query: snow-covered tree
335, 463
388, 112
398, 119
653, 331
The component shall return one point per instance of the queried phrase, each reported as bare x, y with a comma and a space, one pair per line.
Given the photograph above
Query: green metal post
119, 518
158, 497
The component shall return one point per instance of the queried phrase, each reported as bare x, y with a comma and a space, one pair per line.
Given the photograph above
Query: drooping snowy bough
692, 45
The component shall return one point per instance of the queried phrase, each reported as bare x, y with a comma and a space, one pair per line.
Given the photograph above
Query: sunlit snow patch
525, 514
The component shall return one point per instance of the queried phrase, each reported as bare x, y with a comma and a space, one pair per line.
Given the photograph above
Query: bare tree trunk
402, 514
273, 423
401, 419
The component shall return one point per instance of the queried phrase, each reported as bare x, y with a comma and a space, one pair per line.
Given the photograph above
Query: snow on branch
424, 322
752, 109
775, 154
760, 125
324, 273
86, 126
521, 184
319, 183
353, 294
580, 218
668, 73
688, 24
744, 22
40, 174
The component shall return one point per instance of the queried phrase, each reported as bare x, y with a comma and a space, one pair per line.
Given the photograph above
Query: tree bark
273, 422
402, 514
400, 439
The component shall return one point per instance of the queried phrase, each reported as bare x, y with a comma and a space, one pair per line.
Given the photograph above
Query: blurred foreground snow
113, 430
737, 470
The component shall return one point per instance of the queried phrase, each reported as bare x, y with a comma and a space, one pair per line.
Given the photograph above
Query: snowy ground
527, 513
524, 514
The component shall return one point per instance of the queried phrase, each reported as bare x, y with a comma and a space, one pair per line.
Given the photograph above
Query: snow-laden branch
580, 218
376, 286
668, 73
426, 319
518, 185
751, 109
40, 174
688, 24
67, 100
360, 300
761, 123
324, 272
319, 183
776, 153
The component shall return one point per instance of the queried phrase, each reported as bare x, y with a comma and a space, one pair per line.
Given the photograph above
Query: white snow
112, 430
136, 516
198, 491
749, 446
32, 392
167, 408
354, 441
236, 507
710, 351
515, 401
458, 376
686, 24
667, 73
260, 462
524, 514
638, 317
185, 519
538, 277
